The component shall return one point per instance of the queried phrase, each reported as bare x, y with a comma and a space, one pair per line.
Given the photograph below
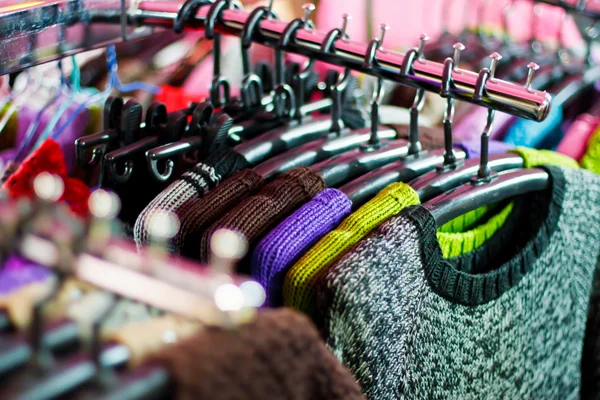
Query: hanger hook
252, 98
115, 175
337, 91
484, 174
188, 10
450, 66
287, 36
154, 170
219, 82
414, 146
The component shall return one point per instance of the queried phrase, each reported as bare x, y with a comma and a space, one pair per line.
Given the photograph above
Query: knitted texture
298, 288
299, 285
276, 253
459, 242
591, 158
48, 158
590, 364
278, 357
505, 322
534, 158
261, 212
191, 185
204, 211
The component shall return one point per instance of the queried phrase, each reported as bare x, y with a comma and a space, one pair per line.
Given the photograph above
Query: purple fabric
283, 246
66, 140
470, 127
18, 272
473, 148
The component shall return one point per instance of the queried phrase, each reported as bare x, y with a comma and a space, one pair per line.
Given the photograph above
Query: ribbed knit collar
486, 273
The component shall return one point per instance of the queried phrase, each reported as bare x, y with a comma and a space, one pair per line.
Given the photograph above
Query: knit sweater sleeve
299, 285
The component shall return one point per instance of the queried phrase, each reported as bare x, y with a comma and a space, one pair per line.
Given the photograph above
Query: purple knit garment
18, 272
473, 148
471, 126
283, 246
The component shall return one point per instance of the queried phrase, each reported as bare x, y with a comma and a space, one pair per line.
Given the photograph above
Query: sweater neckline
489, 271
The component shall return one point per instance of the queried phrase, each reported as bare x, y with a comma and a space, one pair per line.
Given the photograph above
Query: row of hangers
284, 135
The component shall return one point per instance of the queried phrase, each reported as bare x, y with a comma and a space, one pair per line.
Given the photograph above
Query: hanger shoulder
319, 150
469, 197
436, 183
362, 189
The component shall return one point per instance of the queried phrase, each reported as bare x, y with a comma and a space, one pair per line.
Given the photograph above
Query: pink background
409, 18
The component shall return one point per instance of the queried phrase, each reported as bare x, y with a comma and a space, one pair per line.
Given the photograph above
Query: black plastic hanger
339, 140
487, 187
102, 141
418, 163
161, 128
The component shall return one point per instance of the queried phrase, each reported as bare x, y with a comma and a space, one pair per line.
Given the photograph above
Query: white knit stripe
172, 199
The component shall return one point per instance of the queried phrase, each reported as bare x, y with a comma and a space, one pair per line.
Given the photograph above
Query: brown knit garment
278, 357
255, 216
430, 137
206, 210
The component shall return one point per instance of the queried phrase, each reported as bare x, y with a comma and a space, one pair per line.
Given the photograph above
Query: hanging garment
537, 135
575, 142
281, 247
300, 281
504, 321
280, 356
259, 213
591, 158
195, 183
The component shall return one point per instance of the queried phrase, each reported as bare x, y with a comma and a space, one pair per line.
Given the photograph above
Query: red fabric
48, 158
175, 98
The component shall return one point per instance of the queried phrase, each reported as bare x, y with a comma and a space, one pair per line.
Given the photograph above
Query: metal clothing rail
588, 8
406, 69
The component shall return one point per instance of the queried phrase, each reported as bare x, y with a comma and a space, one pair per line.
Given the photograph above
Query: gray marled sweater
506, 321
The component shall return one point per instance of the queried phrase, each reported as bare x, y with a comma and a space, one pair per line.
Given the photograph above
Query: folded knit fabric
204, 211
299, 284
505, 321
575, 141
259, 213
537, 135
280, 356
191, 185
591, 158
277, 251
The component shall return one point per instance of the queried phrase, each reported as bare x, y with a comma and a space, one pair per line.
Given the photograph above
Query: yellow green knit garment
591, 158
300, 281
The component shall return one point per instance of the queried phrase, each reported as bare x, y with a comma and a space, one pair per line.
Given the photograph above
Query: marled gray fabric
401, 339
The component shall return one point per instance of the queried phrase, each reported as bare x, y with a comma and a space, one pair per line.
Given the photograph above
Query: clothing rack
581, 7
146, 16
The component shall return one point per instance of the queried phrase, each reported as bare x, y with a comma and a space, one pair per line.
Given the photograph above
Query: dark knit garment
590, 364
506, 321
204, 211
278, 357
191, 185
258, 214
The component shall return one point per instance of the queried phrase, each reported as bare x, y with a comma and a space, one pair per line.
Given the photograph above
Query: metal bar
144, 16
499, 95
